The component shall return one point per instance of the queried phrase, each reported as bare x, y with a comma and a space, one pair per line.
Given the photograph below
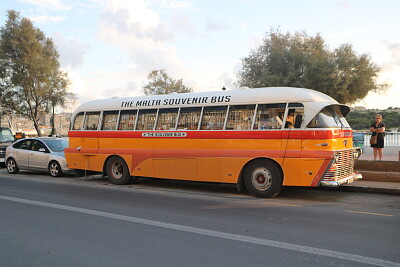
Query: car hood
6, 144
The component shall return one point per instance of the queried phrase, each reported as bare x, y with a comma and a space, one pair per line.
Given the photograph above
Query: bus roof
267, 95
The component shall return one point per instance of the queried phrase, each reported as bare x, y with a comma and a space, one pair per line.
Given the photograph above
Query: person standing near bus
378, 130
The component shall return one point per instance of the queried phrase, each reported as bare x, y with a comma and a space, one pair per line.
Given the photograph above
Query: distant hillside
362, 120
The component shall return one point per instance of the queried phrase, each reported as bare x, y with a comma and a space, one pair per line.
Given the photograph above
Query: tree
160, 83
300, 60
30, 60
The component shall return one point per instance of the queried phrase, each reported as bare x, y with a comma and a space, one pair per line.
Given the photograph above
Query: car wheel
12, 166
262, 178
55, 169
117, 171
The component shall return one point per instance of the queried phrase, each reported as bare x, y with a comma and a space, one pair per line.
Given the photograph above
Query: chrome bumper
347, 180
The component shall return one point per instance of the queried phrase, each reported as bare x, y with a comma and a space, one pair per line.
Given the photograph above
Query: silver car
42, 154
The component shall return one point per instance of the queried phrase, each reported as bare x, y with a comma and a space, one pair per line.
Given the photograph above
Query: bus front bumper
347, 180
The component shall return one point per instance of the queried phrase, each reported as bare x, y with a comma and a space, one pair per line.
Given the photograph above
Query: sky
108, 47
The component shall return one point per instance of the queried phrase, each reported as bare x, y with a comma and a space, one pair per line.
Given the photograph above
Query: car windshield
56, 145
6, 136
329, 117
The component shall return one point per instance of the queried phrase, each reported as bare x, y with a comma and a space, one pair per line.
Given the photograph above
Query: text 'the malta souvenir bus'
260, 139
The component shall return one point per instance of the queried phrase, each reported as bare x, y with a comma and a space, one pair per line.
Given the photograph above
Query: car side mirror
42, 150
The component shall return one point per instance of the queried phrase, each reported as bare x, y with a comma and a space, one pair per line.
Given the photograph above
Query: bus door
293, 136
90, 141
269, 120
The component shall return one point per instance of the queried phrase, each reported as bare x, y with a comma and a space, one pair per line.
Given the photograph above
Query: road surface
67, 221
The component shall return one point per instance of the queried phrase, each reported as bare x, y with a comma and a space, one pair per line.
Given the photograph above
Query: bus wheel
117, 171
262, 178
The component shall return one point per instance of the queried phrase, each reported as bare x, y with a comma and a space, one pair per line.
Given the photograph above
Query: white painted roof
249, 96
312, 100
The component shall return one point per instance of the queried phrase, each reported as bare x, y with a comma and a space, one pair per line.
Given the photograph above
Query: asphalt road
66, 221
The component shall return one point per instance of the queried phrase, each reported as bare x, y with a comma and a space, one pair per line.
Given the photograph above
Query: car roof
42, 138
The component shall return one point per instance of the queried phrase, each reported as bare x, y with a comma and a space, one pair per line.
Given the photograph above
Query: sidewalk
361, 186
390, 153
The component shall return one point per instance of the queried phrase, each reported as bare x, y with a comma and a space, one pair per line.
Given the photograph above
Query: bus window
295, 116
127, 120
91, 121
240, 117
213, 118
78, 122
147, 119
167, 119
110, 119
189, 118
269, 116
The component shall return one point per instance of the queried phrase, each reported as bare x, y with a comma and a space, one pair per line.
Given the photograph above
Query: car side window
37, 145
23, 144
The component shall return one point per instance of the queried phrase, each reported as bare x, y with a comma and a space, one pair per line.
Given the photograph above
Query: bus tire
118, 171
262, 178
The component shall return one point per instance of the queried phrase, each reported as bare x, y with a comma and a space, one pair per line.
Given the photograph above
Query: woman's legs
380, 153
375, 152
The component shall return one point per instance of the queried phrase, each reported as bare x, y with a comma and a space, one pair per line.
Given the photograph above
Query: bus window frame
119, 119
211, 106
292, 105
283, 118
98, 121
176, 119
102, 118
73, 122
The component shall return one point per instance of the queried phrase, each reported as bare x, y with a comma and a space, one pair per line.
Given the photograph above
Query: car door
21, 153
38, 155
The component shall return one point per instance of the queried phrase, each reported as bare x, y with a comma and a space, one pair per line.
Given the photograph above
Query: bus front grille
342, 165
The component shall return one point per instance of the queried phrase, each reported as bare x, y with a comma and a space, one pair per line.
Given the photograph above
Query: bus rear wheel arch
117, 170
262, 178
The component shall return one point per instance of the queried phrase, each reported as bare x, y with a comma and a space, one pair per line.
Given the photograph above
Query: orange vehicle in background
260, 139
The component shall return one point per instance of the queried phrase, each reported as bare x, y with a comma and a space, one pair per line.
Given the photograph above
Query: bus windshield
329, 117
6, 136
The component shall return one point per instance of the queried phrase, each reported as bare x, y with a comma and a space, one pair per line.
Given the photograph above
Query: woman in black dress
378, 128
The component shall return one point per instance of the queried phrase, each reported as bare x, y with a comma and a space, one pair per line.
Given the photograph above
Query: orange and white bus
260, 139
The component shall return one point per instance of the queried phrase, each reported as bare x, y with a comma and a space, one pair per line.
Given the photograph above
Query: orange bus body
213, 156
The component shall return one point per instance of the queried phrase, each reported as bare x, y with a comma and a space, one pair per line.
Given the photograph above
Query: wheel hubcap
117, 170
261, 179
11, 165
54, 169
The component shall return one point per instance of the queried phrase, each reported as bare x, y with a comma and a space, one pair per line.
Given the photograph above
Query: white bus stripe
217, 234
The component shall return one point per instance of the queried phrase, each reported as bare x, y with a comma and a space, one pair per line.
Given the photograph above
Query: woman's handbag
373, 140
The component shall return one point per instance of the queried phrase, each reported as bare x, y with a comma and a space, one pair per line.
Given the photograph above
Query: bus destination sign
167, 134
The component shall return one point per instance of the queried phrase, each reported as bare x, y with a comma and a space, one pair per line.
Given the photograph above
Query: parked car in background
6, 139
41, 154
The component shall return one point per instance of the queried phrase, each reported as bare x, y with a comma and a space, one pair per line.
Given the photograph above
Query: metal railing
391, 138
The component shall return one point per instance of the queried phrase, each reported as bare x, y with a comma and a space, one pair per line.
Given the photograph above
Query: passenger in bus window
290, 119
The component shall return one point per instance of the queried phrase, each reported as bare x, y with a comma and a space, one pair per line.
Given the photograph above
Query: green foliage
159, 83
300, 60
362, 120
29, 63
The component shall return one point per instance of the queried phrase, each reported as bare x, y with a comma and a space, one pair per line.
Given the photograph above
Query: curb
364, 189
